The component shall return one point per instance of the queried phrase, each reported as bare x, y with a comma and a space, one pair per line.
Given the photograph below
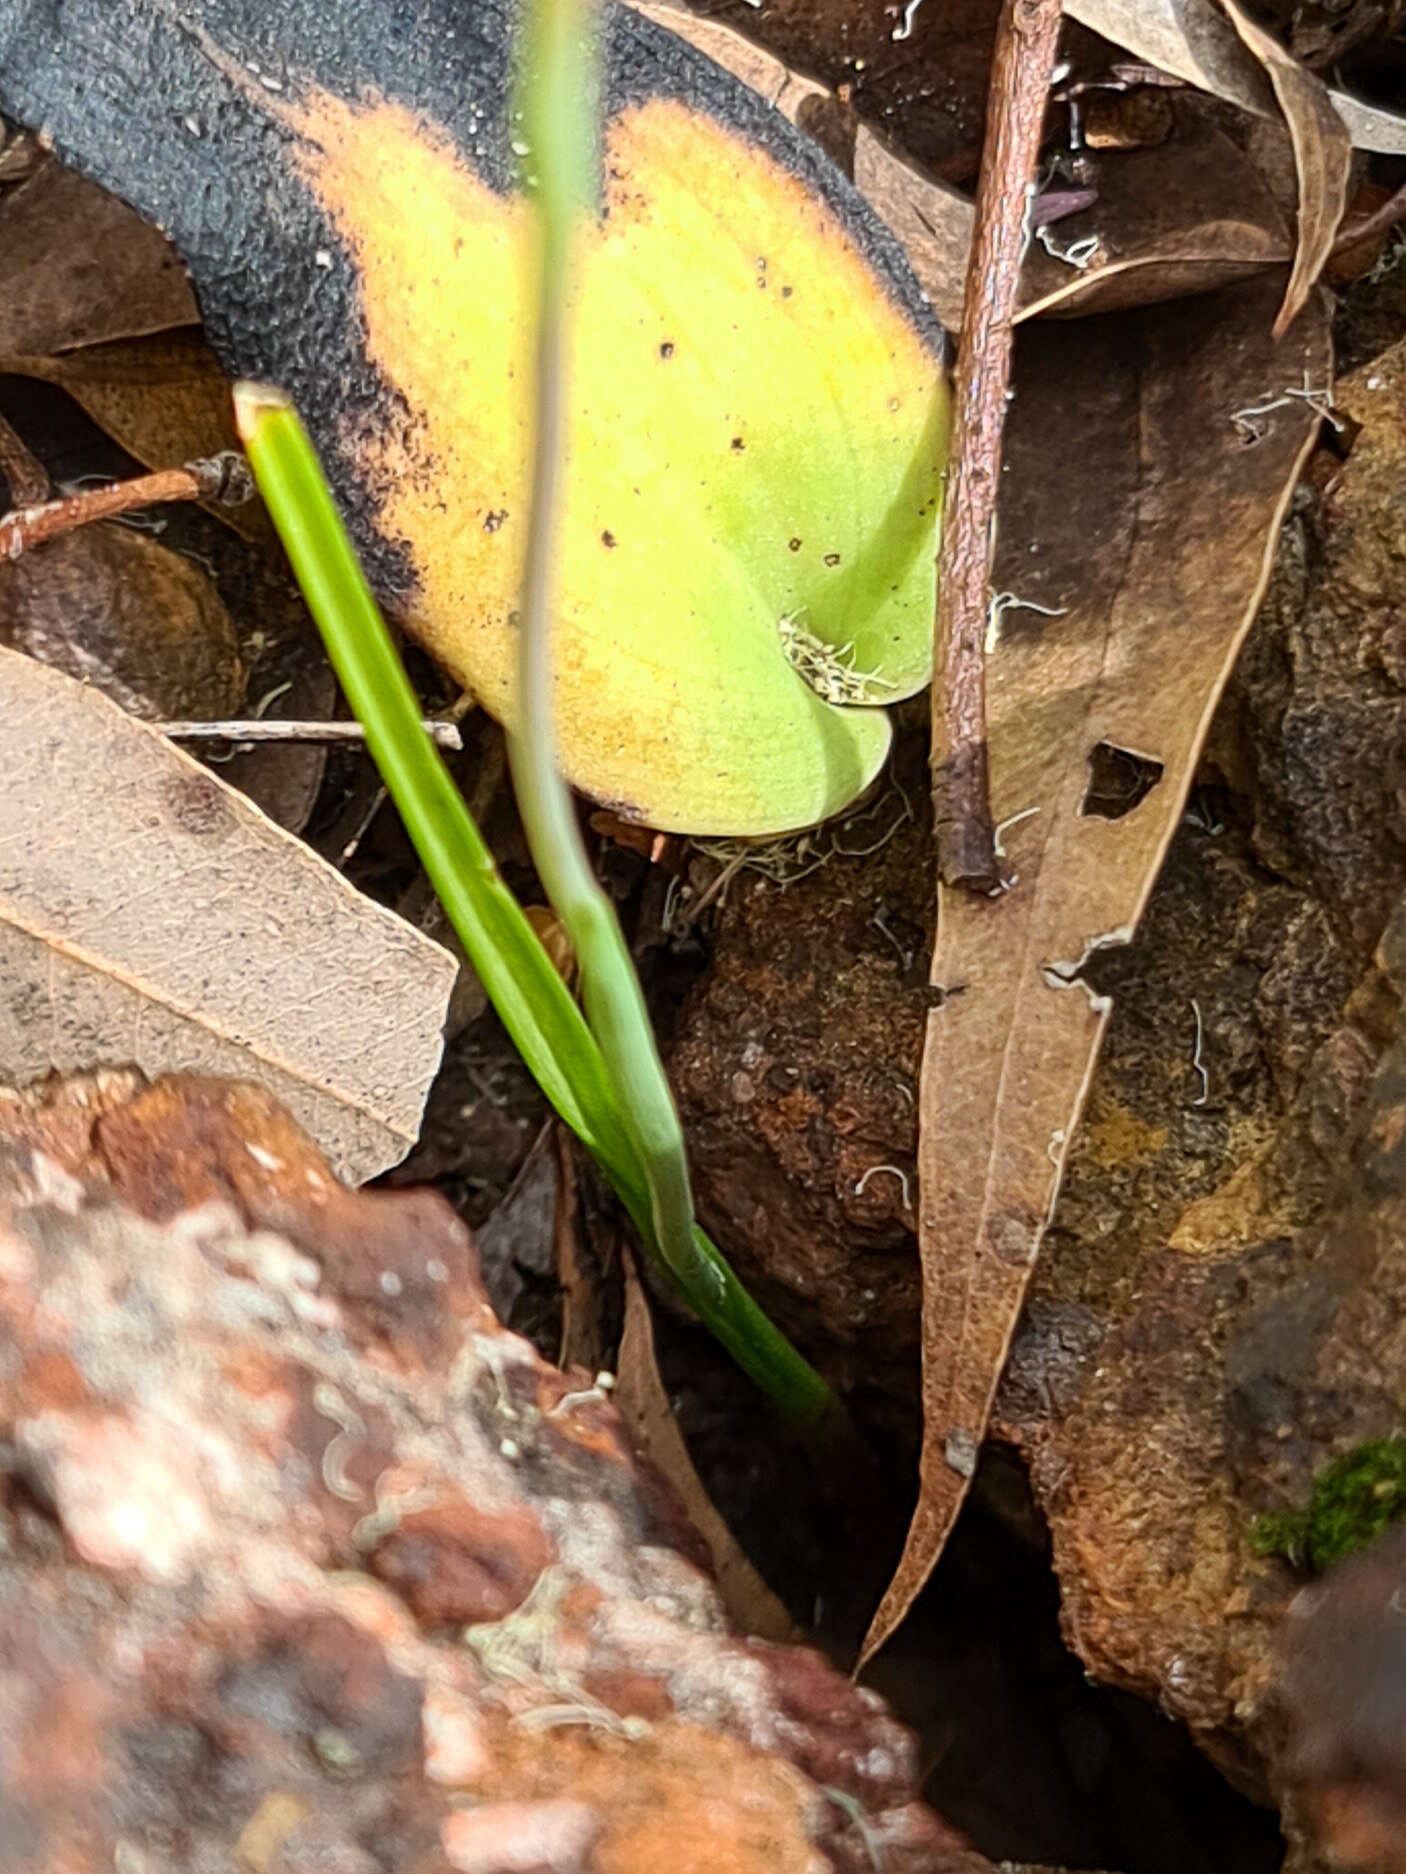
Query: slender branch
256, 729
1383, 218
1026, 38
222, 478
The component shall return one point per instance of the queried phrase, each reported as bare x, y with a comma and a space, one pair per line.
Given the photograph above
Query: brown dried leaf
786, 90
1193, 40
1152, 563
933, 222
1322, 158
150, 914
81, 267
118, 610
1182, 217
162, 397
644, 1404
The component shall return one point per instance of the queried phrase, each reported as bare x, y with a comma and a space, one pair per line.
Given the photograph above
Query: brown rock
249, 1484
457, 1562
795, 1063
1219, 1306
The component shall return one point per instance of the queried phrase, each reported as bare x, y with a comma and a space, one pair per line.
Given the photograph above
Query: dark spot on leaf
786, 292
1119, 780
666, 350
198, 805
832, 559
794, 543
494, 519
738, 444
607, 538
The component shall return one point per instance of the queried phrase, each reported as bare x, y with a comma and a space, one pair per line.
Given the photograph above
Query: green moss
1352, 1501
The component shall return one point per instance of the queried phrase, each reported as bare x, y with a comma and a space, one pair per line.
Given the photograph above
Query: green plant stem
558, 93
534, 1004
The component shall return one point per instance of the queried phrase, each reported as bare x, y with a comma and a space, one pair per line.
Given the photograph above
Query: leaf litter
81, 268
1148, 573
1075, 659
149, 914
1012, 1045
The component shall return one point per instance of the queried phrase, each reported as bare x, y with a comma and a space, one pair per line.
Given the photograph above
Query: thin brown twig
1021, 70
222, 478
1367, 227
257, 729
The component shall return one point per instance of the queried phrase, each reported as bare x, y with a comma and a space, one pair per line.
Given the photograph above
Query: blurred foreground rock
307, 1563
1343, 1693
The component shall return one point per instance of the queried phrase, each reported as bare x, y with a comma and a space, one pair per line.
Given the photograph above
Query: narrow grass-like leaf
531, 999
556, 92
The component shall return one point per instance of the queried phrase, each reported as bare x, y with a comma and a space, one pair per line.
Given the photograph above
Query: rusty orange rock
310, 1563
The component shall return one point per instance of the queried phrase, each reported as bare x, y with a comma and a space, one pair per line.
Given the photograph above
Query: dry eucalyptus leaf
150, 914
1181, 217
1322, 157
1130, 573
782, 88
1192, 39
118, 610
644, 1405
934, 222
162, 397
81, 267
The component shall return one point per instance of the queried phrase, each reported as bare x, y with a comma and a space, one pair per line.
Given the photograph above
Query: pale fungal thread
518, 1648
1002, 602
1204, 821
1388, 261
863, 852
595, 1717
783, 861
351, 1435
794, 856
1079, 254
1004, 827
864, 1828
598, 1394
385, 1519
1247, 418
894, 1171
1196, 1061
905, 29
828, 670
905, 956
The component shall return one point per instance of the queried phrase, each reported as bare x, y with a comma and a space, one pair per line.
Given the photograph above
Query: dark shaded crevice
1119, 781
1019, 1749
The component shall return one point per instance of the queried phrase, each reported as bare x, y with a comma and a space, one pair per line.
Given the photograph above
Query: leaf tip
252, 401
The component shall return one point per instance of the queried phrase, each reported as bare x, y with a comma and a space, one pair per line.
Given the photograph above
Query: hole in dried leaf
1119, 781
